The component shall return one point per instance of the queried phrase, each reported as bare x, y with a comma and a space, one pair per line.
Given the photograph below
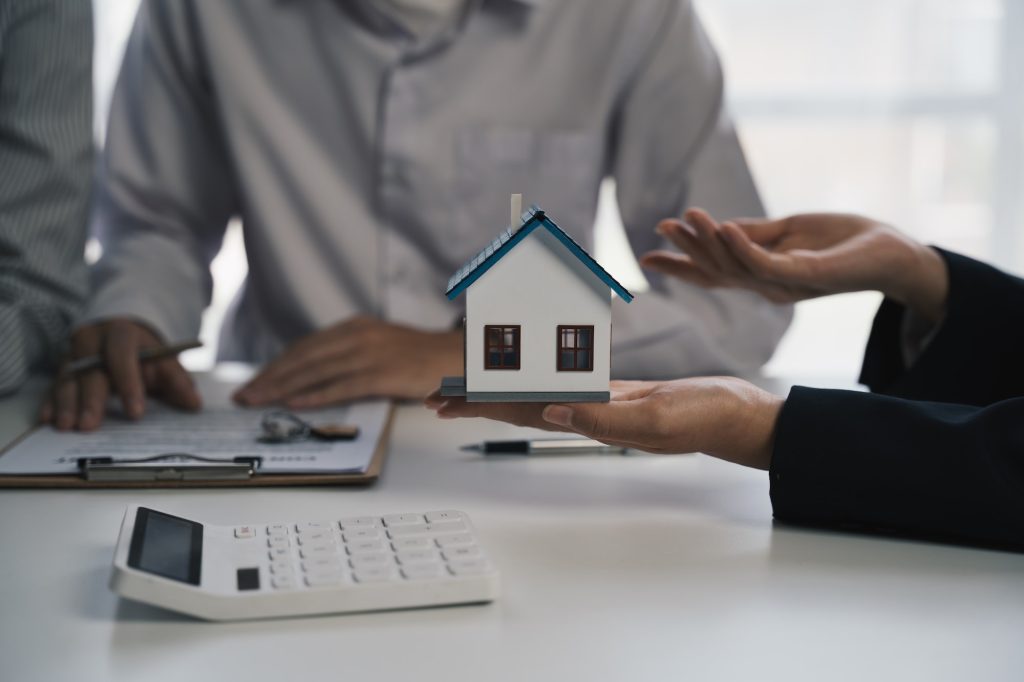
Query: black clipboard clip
168, 467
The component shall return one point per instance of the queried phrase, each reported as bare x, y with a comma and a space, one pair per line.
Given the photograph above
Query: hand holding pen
122, 357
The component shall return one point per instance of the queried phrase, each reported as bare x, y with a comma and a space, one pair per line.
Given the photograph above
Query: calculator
298, 568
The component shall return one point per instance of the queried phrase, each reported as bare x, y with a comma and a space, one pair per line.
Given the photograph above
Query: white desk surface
613, 568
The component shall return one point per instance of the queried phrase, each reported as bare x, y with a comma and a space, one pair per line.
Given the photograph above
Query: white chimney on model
517, 211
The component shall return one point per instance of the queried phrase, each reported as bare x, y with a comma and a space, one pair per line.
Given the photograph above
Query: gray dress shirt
45, 177
367, 165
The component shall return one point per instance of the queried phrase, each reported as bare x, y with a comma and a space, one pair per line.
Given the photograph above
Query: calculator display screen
167, 546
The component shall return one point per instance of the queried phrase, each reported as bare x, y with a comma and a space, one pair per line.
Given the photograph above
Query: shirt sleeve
166, 190
45, 178
973, 357
871, 462
675, 147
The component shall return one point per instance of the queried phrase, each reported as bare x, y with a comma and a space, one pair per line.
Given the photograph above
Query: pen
553, 446
154, 353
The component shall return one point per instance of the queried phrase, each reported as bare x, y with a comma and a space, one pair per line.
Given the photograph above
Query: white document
220, 431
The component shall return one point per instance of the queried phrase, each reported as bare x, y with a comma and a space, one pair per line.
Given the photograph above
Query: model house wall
538, 285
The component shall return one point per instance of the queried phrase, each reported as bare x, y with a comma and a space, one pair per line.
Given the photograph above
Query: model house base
455, 387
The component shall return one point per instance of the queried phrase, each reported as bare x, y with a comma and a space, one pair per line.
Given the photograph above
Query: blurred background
910, 111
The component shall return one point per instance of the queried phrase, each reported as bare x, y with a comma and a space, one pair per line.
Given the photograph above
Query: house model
538, 317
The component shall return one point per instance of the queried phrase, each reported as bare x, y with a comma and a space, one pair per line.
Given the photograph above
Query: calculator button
248, 579
435, 516
315, 551
319, 537
448, 527
364, 546
359, 522
313, 526
245, 532
277, 529
277, 553
360, 561
416, 556
323, 579
374, 574
423, 571
404, 531
277, 541
411, 543
361, 534
402, 519
454, 540
466, 552
283, 582
323, 564
469, 566
281, 567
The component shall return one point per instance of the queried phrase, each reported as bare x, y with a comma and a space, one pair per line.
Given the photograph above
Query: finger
295, 359
623, 421
91, 387
760, 262
708, 234
435, 400
761, 230
65, 403
685, 238
175, 386
93, 391
680, 266
341, 390
518, 414
305, 377
121, 353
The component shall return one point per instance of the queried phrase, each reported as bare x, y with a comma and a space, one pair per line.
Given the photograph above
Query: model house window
575, 349
501, 346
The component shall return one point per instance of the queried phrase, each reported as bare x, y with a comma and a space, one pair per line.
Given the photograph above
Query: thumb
618, 421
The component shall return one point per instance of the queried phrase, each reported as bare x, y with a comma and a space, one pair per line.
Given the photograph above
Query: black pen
552, 446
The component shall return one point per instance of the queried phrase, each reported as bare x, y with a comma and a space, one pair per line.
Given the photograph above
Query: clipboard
191, 473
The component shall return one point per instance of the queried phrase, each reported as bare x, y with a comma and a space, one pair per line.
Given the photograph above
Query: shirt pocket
559, 171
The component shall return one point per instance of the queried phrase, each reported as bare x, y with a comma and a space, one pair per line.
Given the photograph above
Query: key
465, 552
422, 571
427, 528
281, 567
374, 574
455, 540
277, 529
402, 519
411, 543
361, 534
313, 526
315, 551
323, 579
277, 541
283, 582
469, 566
278, 553
435, 516
320, 537
416, 556
322, 564
359, 522
370, 560
364, 546
245, 532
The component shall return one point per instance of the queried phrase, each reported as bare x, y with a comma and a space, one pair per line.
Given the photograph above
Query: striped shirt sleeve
45, 178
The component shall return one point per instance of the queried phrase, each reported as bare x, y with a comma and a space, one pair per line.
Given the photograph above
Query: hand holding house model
538, 317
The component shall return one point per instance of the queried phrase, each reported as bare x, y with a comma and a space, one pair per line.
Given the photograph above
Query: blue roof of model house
507, 240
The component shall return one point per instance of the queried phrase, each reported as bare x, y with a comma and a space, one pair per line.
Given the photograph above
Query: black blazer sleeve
950, 467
